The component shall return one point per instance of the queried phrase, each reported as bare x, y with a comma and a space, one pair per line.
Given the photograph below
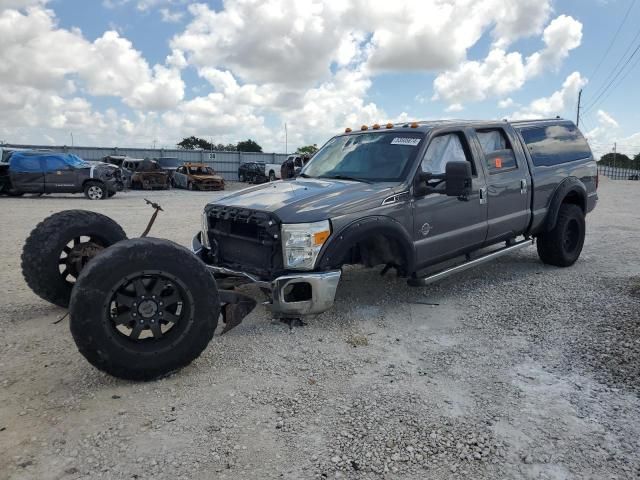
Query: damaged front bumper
291, 296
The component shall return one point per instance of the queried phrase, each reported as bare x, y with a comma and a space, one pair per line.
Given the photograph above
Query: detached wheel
60, 246
144, 308
562, 245
95, 191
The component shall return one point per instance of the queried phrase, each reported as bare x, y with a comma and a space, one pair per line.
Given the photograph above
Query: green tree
195, 143
248, 146
308, 149
617, 160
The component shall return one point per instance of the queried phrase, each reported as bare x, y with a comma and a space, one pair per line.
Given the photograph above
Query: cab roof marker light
389, 125
364, 127
347, 130
414, 125
376, 126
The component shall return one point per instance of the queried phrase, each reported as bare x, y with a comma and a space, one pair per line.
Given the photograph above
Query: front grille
244, 239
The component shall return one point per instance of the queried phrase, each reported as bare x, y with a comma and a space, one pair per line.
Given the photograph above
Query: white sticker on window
405, 141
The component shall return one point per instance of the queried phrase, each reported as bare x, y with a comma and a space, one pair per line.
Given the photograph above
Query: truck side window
498, 152
444, 149
52, 164
27, 164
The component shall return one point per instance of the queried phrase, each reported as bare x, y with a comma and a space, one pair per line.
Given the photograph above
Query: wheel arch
571, 190
366, 230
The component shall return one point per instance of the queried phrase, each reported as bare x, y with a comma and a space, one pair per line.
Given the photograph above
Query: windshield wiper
346, 177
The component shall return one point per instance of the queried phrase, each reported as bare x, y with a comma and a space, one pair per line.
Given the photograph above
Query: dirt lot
512, 370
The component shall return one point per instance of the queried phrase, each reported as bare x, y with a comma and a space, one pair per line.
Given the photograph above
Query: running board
419, 282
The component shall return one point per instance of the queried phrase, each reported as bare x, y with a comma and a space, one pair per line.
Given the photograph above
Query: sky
150, 72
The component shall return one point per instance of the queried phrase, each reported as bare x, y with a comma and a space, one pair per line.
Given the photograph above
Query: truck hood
309, 200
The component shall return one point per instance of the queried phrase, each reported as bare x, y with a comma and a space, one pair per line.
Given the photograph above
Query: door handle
483, 195
523, 186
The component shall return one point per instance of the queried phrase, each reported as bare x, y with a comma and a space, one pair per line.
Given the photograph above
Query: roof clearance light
414, 125
347, 130
364, 127
376, 126
389, 125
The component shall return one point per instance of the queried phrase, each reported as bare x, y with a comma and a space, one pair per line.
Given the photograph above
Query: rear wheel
272, 176
144, 308
562, 245
60, 246
95, 191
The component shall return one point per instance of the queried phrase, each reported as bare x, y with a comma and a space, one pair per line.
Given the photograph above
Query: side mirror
458, 177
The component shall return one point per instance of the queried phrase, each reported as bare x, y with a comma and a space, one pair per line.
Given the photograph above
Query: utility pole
578, 113
286, 139
614, 159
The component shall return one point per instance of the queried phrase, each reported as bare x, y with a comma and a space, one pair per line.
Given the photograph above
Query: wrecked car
197, 176
49, 172
424, 199
147, 175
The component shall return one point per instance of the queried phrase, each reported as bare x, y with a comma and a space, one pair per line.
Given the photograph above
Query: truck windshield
369, 157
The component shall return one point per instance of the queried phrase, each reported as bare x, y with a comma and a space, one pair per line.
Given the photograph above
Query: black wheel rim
76, 254
148, 306
571, 236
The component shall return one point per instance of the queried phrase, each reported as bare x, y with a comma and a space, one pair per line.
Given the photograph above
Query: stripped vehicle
197, 176
147, 175
426, 199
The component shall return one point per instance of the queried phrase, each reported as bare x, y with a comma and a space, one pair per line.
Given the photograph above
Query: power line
616, 71
635, 64
624, 20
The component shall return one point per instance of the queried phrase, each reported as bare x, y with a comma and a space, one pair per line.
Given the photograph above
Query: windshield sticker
405, 141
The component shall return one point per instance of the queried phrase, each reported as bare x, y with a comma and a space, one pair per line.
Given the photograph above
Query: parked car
426, 199
146, 174
48, 172
252, 172
197, 176
259, 172
169, 164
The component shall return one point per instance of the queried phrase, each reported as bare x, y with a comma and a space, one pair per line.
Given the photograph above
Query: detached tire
143, 309
562, 245
60, 246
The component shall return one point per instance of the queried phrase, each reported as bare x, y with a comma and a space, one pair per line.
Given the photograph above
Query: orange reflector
320, 237
498, 163
347, 130
364, 127
389, 125
414, 125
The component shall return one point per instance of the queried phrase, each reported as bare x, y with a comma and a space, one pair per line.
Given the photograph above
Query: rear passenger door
27, 173
508, 189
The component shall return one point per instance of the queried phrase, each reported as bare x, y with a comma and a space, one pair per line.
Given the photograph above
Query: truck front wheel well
378, 249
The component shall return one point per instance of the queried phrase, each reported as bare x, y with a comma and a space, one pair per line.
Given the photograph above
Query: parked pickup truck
426, 199
258, 172
408, 197
49, 172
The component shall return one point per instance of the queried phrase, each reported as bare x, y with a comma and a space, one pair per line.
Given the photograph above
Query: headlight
301, 243
204, 236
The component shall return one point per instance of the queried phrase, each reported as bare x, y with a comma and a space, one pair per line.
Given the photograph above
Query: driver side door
59, 176
444, 227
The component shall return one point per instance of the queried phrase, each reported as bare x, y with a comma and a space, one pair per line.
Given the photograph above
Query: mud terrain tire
41, 255
143, 309
562, 245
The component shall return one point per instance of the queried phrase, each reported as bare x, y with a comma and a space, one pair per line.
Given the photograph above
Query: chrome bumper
322, 286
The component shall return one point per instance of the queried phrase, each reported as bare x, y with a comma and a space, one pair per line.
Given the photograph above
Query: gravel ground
511, 370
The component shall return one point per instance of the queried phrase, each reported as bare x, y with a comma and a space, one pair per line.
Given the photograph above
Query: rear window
555, 144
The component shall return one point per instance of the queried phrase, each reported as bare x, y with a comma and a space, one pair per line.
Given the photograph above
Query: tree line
197, 143
620, 160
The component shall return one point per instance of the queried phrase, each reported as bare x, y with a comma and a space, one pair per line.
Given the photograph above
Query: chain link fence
618, 173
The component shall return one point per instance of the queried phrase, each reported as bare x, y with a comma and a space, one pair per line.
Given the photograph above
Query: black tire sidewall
105, 347
568, 215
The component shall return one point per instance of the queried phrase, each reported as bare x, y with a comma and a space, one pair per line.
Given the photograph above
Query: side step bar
419, 282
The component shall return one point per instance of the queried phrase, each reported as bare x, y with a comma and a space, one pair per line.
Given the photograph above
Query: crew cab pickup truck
409, 197
50, 172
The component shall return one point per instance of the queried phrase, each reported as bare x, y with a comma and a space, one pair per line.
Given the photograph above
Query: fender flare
340, 242
568, 186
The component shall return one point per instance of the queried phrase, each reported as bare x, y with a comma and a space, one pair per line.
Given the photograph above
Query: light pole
71, 133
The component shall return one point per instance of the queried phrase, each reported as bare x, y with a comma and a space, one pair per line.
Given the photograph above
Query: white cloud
501, 73
558, 103
171, 16
20, 4
454, 107
607, 120
506, 103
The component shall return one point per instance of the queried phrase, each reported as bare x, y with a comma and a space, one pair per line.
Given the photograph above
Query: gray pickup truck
426, 199
408, 197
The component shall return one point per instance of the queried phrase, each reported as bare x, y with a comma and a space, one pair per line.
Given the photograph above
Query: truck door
509, 189
27, 173
59, 176
444, 227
